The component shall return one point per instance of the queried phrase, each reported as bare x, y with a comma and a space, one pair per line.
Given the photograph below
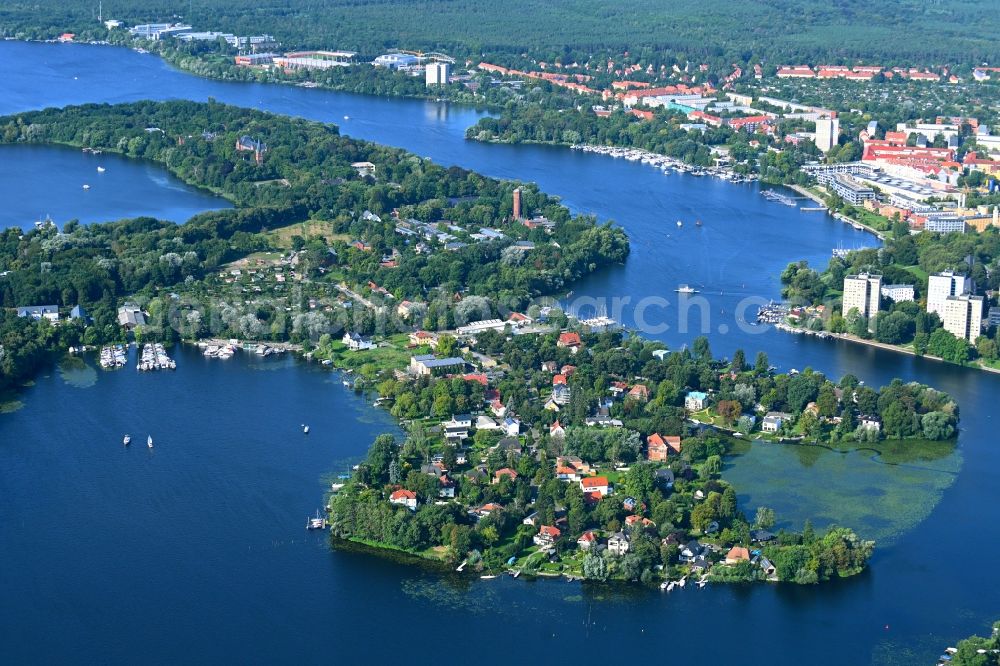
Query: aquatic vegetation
75, 372
880, 494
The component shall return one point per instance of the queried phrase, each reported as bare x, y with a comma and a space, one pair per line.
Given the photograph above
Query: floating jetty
154, 357
772, 195
772, 313
665, 164
115, 356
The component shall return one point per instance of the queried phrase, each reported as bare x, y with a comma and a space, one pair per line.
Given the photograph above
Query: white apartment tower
963, 316
941, 286
437, 73
862, 292
827, 132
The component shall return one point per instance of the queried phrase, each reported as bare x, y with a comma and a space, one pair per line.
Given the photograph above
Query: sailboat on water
149, 441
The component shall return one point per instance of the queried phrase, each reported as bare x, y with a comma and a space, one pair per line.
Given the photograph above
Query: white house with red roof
587, 540
595, 484
556, 430
570, 340
404, 497
547, 535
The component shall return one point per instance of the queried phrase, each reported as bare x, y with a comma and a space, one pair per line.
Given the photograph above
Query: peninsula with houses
599, 456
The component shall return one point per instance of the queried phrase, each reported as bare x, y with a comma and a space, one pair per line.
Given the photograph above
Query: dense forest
304, 173
889, 31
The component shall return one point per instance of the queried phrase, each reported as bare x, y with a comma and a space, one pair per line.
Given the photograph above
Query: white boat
682, 582
316, 523
347, 117
305, 429
100, 169
127, 440
86, 187
679, 223
149, 441
685, 289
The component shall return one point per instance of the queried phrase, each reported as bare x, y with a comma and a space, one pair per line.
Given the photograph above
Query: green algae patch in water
881, 491
76, 373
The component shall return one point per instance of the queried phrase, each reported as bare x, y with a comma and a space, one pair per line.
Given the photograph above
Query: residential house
690, 551
618, 544
639, 392
447, 489
556, 430
551, 405
39, 312
512, 426
773, 421
547, 536
567, 473
587, 540
766, 565
79, 313
640, 520
695, 401
737, 554
484, 422
570, 340
659, 447
403, 497
510, 445
418, 338
407, 308
869, 422
457, 428
664, 477
357, 342
487, 509
531, 519
517, 319
595, 484
506, 472
561, 393
582, 468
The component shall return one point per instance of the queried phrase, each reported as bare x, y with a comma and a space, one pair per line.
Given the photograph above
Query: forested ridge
889, 31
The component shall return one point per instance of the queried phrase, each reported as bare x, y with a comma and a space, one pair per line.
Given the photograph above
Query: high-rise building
862, 293
942, 285
437, 73
963, 316
517, 203
827, 132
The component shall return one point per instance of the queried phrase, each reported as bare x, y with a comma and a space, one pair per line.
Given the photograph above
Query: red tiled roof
594, 482
569, 339
403, 493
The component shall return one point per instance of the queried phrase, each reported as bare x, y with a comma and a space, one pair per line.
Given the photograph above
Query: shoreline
806, 192
847, 337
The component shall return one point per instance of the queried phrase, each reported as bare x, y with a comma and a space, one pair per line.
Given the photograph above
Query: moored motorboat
127, 440
149, 441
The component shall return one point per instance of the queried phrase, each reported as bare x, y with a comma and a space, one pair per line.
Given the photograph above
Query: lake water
196, 552
47, 181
